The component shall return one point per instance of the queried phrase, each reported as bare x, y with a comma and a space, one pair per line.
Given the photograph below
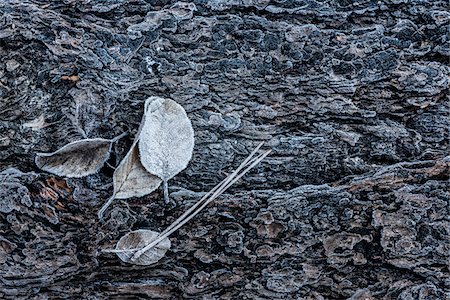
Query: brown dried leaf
73, 78
130, 178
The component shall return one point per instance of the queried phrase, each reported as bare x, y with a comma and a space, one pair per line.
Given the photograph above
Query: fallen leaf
167, 139
77, 159
136, 240
131, 179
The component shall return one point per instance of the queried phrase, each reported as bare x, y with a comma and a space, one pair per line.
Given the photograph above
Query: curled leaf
136, 240
131, 179
77, 159
167, 139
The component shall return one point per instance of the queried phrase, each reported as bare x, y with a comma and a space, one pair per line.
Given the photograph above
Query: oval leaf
167, 138
131, 179
136, 240
76, 159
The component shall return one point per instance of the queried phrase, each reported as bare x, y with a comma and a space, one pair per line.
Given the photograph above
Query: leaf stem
115, 139
105, 206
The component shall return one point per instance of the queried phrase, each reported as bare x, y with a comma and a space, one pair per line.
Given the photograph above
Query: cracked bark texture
353, 202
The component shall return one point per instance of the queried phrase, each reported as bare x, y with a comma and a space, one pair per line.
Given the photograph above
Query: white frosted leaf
131, 179
166, 141
134, 241
76, 159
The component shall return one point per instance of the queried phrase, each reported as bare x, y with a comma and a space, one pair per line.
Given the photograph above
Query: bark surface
353, 202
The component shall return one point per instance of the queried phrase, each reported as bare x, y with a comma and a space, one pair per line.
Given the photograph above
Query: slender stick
218, 186
183, 216
253, 163
219, 192
230, 180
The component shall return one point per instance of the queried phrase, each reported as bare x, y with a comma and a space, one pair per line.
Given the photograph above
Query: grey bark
352, 98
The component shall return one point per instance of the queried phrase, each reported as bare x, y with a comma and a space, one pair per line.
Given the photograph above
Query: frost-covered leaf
76, 159
167, 139
131, 242
131, 179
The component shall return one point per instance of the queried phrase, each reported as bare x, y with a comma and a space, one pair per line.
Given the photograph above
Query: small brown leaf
131, 179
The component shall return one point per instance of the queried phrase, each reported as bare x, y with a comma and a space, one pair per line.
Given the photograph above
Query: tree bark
351, 97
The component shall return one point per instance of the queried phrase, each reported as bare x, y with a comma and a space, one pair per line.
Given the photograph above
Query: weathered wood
352, 98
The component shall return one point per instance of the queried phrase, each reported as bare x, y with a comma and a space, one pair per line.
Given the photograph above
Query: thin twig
131, 54
218, 186
224, 186
185, 214
223, 189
